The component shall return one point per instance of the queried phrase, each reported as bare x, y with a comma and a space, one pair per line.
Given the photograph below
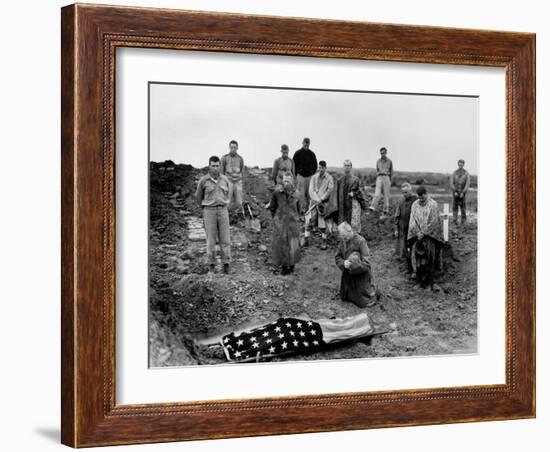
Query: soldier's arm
273, 204
397, 214
452, 183
330, 188
312, 193
358, 194
242, 170
275, 170
339, 258
365, 252
222, 165
199, 192
296, 160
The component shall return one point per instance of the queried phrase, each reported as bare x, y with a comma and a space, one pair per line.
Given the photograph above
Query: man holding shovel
322, 203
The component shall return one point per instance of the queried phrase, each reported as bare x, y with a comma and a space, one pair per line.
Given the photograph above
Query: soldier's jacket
460, 180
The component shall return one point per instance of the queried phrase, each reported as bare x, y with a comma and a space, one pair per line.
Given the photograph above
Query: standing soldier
286, 225
213, 196
350, 199
232, 166
282, 165
401, 219
322, 203
305, 164
384, 173
460, 183
424, 238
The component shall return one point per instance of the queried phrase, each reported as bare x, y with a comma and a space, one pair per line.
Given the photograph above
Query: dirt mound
172, 199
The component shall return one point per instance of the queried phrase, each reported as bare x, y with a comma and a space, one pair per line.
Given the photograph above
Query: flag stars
287, 335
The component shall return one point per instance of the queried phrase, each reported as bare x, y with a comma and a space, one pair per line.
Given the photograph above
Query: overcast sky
421, 133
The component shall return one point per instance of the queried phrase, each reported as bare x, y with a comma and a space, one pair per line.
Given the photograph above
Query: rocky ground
187, 303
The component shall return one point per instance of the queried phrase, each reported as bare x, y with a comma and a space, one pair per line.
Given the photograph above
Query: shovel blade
255, 225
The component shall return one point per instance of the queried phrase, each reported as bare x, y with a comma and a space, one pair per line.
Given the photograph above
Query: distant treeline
368, 177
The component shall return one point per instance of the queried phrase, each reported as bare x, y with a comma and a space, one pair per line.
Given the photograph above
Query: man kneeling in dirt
425, 239
352, 258
213, 196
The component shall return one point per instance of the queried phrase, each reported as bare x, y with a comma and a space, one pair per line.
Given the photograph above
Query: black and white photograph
291, 224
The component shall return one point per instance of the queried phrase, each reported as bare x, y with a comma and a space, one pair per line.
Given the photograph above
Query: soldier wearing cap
213, 196
232, 167
323, 202
282, 166
460, 183
305, 163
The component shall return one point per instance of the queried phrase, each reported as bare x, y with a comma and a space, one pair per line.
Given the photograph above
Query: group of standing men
324, 201
305, 191
418, 227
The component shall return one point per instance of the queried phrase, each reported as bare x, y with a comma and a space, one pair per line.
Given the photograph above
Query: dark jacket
286, 228
356, 282
346, 185
401, 219
305, 162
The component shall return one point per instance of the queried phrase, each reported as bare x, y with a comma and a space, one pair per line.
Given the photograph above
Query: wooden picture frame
90, 35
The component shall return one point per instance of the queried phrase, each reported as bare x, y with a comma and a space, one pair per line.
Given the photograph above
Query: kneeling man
353, 259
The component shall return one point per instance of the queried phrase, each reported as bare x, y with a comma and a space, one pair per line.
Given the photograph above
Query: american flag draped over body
291, 335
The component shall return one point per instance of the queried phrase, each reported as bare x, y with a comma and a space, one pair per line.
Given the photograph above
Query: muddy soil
187, 302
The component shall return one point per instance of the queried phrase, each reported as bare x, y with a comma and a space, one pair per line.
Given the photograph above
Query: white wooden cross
445, 216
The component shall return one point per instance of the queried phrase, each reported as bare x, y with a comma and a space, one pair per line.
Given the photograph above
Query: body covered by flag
292, 335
